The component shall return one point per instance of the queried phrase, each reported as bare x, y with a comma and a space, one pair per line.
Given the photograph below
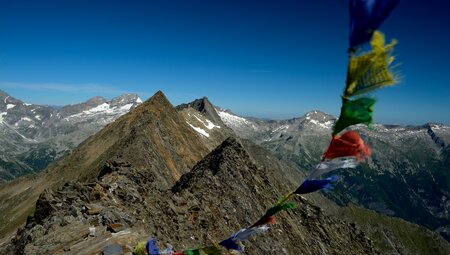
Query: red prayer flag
264, 220
349, 144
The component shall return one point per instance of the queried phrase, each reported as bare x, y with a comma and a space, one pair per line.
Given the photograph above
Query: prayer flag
359, 111
350, 144
366, 16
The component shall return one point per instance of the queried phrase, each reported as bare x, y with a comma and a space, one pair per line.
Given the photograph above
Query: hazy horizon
242, 114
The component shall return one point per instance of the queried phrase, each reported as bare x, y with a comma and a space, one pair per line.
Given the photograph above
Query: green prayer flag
278, 208
371, 71
355, 112
192, 252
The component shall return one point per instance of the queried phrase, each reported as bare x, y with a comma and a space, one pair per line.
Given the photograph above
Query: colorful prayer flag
268, 216
139, 249
365, 17
350, 144
151, 247
309, 186
244, 234
230, 244
371, 70
168, 250
331, 165
359, 111
192, 252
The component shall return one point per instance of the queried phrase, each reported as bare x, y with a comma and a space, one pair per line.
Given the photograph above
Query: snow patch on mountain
1, 116
207, 123
210, 125
13, 129
101, 108
10, 106
282, 128
231, 119
199, 130
104, 108
327, 124
25, 119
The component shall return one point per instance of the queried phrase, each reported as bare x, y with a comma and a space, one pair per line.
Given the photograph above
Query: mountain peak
95, 100
159, 98
153, 127
204, 106
130, 98
158, 94
318, 115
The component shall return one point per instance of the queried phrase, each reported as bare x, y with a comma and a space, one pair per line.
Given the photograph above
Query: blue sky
273, 59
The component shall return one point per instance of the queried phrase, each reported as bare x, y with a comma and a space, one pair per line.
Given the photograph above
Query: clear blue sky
274, 59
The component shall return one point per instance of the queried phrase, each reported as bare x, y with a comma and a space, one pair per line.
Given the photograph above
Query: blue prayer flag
152, 248
366, 16
309, 186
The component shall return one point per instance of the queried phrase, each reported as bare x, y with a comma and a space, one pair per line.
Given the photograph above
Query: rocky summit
180, 175
33, 136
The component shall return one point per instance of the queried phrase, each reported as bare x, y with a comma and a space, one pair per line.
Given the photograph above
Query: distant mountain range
183, 175
33, 136
408, 175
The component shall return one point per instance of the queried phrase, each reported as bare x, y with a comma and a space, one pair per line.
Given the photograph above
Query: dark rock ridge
221, 194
